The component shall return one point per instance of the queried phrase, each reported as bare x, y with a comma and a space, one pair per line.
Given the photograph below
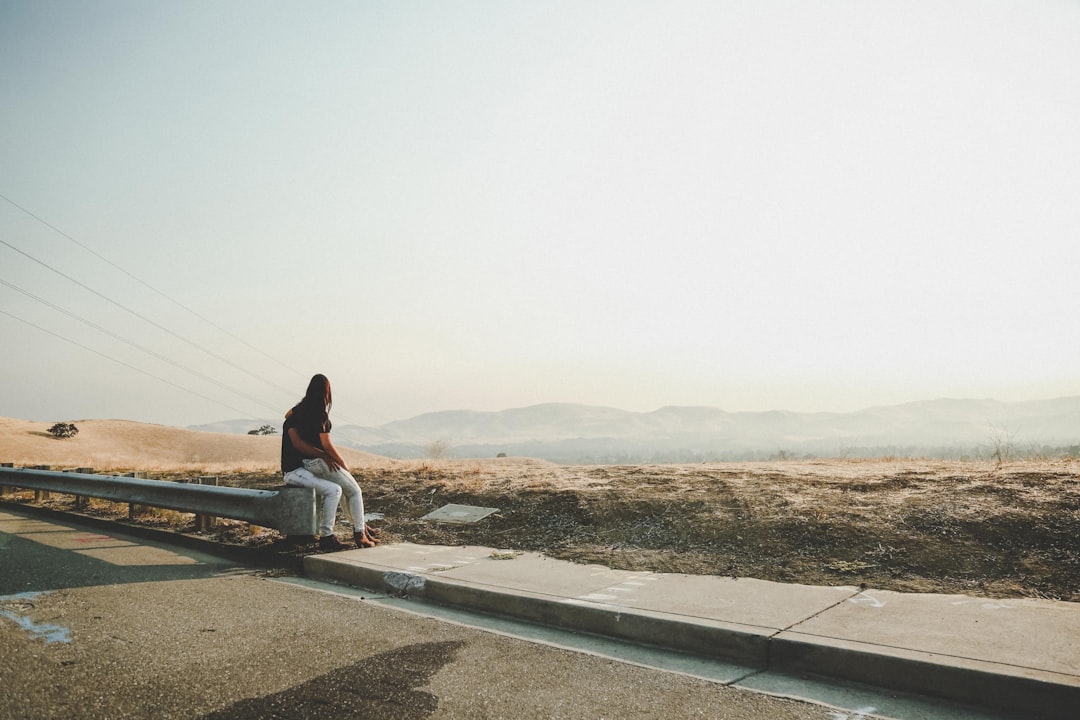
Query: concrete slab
412, 557
463, 514
1020, 655
986, 684
1042, 635
390, 567
536, 573
746, 601
536, 588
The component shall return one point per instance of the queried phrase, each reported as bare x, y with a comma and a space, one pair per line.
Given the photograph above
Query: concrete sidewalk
1020, 656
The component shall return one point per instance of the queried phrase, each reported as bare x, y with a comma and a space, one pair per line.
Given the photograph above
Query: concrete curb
744, 645
999, 686
983, 687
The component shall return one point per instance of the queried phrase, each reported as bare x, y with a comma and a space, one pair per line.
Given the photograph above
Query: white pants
330, 487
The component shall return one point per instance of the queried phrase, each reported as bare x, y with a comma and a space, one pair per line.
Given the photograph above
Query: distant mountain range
571, 433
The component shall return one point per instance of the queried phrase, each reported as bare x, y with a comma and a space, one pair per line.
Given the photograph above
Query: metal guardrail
289, 510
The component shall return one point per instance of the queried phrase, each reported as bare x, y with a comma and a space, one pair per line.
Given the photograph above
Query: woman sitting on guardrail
309, 459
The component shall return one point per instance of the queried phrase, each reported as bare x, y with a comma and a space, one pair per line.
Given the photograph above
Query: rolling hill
126, 445
579, 433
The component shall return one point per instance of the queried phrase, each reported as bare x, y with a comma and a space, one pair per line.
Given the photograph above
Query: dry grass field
914, 525
124, 445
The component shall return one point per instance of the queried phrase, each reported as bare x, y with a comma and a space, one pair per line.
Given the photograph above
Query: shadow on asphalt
27, 565
385, 685
43, 568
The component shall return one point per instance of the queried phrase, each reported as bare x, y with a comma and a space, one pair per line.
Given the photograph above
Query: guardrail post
134, 509
5, 489
82, 501
41, 496
204, 522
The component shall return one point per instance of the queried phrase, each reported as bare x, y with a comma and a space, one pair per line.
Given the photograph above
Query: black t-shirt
309, 423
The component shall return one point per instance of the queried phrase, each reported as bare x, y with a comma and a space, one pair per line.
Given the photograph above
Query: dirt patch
906, 525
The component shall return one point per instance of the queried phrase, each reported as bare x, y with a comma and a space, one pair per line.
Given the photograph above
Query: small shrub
264, 430
439, 450
63, 430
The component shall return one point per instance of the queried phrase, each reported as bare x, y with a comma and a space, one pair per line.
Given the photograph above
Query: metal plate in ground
459, 514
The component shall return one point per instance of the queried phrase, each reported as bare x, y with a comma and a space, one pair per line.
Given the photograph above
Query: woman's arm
332, 451
307, 449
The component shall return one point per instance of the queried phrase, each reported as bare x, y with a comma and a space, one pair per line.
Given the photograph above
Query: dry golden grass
120, 445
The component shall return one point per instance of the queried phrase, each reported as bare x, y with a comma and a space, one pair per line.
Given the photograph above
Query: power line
147, 285
127, 365
135, 345
146, 319
142, 317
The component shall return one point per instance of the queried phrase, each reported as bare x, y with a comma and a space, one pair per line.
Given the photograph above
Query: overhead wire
143, 317
147, 285
137, 346
121, 362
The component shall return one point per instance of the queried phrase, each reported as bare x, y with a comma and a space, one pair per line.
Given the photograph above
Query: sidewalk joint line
822, 611
773, 636
747, 676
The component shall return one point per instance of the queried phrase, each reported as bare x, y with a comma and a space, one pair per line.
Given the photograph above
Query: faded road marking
45, 631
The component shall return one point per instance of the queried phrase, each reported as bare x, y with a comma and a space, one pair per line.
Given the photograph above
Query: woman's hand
307, 450
333, 456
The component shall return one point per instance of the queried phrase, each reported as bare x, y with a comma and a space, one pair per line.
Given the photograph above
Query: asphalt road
101, 625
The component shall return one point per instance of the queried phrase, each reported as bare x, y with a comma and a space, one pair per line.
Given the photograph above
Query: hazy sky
442, 205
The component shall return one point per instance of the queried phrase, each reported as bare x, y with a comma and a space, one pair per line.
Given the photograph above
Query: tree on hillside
62, 430
439, 450
264, 430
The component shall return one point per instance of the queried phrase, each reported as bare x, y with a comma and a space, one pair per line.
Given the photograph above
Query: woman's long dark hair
318, 398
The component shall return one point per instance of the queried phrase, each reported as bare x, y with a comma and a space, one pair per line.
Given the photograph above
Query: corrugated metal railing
289, 510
